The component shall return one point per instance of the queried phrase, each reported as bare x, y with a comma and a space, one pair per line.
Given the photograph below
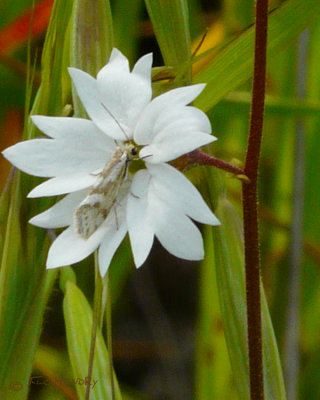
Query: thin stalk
292, 333
202, 158
198, 157
109, 335
98, 289
250, 212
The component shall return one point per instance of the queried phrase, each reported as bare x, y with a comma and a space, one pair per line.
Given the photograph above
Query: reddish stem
201, 158
250, 214
198, 157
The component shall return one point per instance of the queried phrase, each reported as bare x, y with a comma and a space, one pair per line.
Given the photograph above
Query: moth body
96, 206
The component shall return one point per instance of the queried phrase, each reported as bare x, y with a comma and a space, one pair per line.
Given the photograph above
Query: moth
96, 206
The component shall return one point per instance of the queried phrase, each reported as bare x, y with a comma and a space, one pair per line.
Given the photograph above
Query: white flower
156, 201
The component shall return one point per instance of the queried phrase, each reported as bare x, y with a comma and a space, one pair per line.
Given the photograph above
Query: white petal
143, 67
143, 133
175, 231
118, 59
170, 147
80, 151
59, 215
177, 131
176, 190
117, 229
182, 119
88, 92
123, 93
59, 127
63, 185
139, 219
70, 248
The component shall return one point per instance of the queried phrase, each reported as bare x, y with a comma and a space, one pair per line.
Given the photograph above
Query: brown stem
201, 158
198, 157
249, 199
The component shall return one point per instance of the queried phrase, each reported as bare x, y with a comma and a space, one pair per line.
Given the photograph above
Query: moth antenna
115, 119
142, 158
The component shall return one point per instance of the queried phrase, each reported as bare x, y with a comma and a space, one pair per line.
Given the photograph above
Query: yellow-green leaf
78, 319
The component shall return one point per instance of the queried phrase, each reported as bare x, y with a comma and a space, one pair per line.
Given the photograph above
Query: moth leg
134, 195
95, 173
116, 216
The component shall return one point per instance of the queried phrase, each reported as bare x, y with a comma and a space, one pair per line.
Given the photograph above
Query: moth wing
95, 208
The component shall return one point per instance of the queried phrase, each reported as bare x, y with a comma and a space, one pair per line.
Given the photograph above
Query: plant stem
95, 322
109, 335
198, 157
202, 158
250, 213
292, 336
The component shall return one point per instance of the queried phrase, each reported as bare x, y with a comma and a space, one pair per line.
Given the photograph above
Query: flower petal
116, 57
88, 92
173, 146
144, 133
117, 229
175, 231
123, 93
60, 127
63, 185
175, 189
182, 119
139, 219
143, 67
59, 215
70, 248
79, 148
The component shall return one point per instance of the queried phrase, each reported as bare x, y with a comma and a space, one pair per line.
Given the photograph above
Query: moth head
132, 151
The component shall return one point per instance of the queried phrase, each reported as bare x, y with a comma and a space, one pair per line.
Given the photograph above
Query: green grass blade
91, 35
240, 102
25, 286
228, 245
127, 26
170, 21
213, 371
54, 61
24, 290
233, 65
78, 320
91, 40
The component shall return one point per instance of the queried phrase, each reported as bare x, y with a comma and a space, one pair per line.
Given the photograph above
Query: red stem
198, 157
201, 158
250, 214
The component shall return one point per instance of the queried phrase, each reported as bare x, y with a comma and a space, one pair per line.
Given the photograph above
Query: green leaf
170, 21
212, 366
54, 62
127, 26
240, 102
233, 65
25, 285
24, 290
91, 35
228, 247
78, 320
91, 40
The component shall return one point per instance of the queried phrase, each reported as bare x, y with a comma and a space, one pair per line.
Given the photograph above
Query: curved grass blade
228, 245
170, 21
78, 319
232, 66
